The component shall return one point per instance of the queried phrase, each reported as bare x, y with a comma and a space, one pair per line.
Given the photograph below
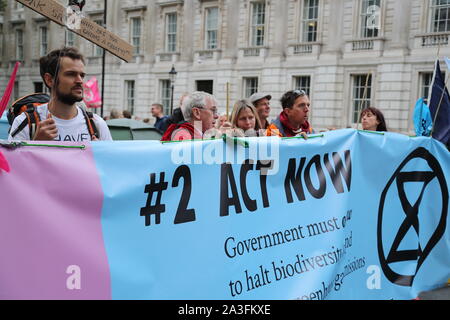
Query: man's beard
68, 98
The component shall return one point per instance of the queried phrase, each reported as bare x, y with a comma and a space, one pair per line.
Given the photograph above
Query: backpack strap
92, 128
32, 119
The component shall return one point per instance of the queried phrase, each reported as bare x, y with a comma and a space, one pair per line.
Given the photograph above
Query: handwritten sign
88, 29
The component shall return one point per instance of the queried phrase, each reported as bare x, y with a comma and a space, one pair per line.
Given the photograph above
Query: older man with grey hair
200, 114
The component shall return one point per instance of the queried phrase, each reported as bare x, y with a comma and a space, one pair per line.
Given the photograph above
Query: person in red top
200, 114
293, 120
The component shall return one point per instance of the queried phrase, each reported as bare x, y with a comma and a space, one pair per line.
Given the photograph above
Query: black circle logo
401, 177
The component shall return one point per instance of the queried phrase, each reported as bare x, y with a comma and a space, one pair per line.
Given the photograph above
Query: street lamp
172, 75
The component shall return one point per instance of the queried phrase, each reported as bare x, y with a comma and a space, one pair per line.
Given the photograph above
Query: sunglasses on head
299, 93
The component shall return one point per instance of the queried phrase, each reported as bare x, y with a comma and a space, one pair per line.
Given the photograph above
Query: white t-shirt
68, 130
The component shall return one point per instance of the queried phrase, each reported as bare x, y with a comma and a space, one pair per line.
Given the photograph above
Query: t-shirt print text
78, 137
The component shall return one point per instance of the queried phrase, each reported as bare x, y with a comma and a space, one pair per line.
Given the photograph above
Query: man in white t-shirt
61, 119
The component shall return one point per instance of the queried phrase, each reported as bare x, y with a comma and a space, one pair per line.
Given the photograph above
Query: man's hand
46, 130
303, 134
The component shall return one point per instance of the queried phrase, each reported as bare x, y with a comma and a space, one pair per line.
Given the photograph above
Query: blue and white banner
348, 215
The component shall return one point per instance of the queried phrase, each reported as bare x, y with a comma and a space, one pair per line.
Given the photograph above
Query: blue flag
440, 107
422, 119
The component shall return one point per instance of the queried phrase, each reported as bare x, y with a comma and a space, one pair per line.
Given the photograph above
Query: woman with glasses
293, 120
372, 119
245, 118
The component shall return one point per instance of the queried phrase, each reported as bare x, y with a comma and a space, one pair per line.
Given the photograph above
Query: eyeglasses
213, 110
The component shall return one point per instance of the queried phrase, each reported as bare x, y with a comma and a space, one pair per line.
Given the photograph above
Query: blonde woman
245, 117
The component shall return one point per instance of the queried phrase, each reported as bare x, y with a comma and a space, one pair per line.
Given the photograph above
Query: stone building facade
345, 53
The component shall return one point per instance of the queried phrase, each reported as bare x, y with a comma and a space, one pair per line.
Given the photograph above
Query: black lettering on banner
294, 176
316, 193
183, 214
158, 208
245, 168
295, 180
226, 174
264, 166
339, 170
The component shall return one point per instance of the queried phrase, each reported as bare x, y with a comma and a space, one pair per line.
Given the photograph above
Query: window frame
367, 101
165, 94
168, 33
296, 85
130, 87
19, 45
304, 22
43, 46
254, 27
16, 90
207, 31
431, 20
362, 31
137, 49
246, 88
70, 34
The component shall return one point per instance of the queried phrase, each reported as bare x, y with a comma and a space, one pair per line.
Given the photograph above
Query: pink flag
9, 88
92, 97
3, 163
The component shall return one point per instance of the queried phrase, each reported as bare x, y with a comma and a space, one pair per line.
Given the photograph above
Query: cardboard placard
88, 29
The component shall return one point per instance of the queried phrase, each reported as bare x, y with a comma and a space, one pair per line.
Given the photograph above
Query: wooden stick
228, 100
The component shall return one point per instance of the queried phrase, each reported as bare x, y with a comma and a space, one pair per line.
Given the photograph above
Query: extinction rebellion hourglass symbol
411, 215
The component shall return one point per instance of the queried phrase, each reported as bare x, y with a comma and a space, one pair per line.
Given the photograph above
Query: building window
171, 32
425, 83
310, 20
19, 45
361, 94
258, 23
440, 15
165, 95
16, 90
250, 86
43, 41
303, 83
370, 18
130, 95
70, 38
136, 35
205, 86
97, 51
212, 21
39, 87
426, 78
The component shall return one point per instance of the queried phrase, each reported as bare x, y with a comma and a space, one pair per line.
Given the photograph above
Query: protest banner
82, 26
348, 215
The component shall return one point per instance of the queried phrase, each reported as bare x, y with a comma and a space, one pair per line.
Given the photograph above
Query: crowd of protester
197, 117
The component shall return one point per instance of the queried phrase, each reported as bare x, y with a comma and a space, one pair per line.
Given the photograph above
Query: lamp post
172, 75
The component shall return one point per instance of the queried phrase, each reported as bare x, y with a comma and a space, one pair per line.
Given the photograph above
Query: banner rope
14, 145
